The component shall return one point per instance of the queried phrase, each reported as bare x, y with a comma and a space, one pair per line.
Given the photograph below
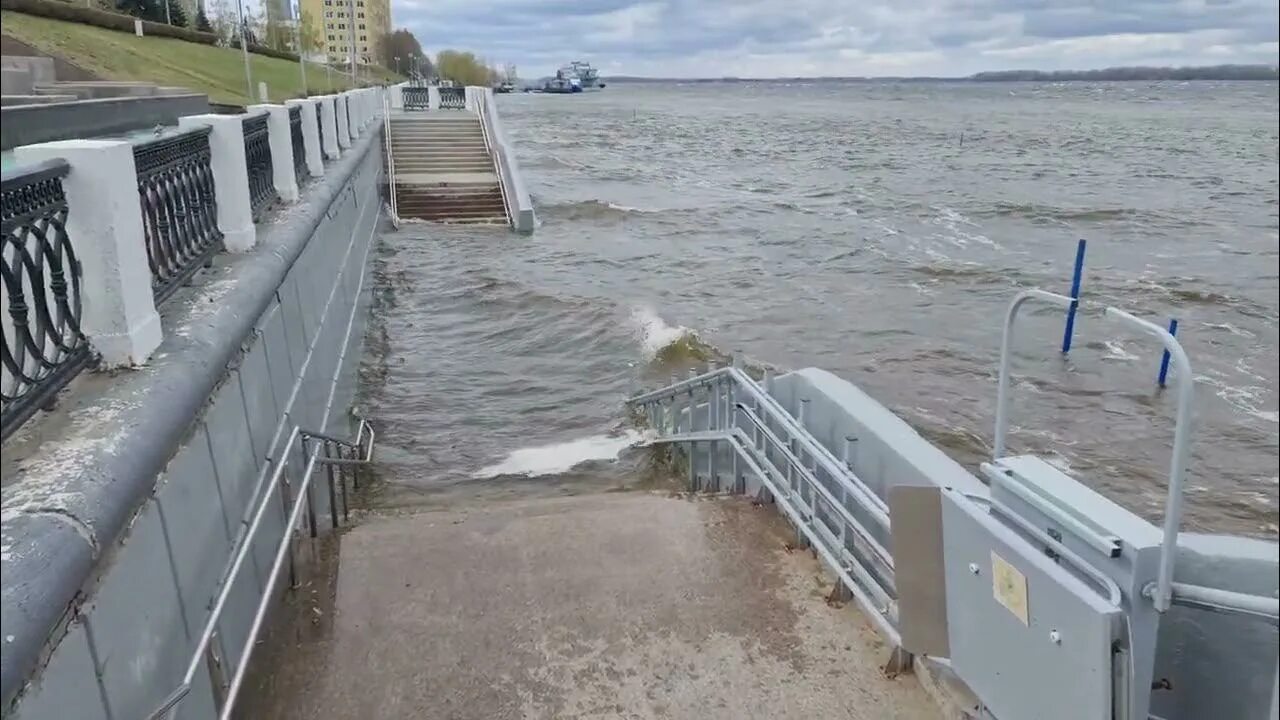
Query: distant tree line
465, 68
1210, 72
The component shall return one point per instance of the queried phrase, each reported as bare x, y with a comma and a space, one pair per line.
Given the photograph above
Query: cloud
772, 38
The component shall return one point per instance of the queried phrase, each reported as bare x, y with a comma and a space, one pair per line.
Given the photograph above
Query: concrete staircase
444, 173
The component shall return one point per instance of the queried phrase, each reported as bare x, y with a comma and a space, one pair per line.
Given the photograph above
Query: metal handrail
881, 609
877, 549
837, 469
771, 458
1161, 593
301, 500
391, 161
482, 110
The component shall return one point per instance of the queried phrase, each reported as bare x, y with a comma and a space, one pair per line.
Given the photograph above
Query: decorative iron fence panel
43, 345
257, 155
299, 147
453, 98
416, 98
179, 207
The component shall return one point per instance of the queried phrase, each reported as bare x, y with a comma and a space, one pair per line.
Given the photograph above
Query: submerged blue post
1164, 361
1075, 297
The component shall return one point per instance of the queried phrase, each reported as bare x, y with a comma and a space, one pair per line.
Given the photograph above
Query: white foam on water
1116, 351
560, 457
654, 333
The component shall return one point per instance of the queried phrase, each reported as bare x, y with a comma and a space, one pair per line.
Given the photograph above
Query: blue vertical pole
1075, 297
1164, 361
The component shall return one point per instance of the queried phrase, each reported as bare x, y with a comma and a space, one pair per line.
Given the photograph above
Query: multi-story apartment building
344, 23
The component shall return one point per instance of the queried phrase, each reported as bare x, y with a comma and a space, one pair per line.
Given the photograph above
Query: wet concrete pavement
616, 605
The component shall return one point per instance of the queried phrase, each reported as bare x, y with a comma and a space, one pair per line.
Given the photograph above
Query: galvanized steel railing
43, 345
833, 510
179, 207
335, 455
257, 155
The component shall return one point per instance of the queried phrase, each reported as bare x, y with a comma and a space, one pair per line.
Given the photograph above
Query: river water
877, 230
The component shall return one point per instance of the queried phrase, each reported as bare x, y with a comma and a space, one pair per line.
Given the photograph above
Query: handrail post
1006, 349
105, 225
1181, 452
230, 170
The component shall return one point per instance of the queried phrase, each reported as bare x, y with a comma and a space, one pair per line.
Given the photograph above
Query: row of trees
171, 12
465, 68
400, 50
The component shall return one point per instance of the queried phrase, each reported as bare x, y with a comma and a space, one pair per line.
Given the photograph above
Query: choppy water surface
876, 230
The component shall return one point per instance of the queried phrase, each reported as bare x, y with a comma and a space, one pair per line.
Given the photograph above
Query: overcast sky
770, 38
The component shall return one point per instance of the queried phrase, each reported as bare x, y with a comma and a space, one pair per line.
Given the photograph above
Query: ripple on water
875, 229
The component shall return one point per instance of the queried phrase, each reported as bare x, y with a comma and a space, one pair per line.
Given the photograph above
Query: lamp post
397, 59
302, 52
244, 50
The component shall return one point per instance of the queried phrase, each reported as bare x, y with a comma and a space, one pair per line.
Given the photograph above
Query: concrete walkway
625, 605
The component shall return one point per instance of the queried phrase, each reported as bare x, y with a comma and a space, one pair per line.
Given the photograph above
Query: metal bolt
973, 568
1055, 637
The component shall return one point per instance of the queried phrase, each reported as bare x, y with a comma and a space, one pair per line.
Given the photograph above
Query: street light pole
351, 20
302, 52
244, 50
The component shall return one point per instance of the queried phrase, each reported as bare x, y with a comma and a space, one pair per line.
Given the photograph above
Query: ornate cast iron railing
179, 208
453, 98
257, 154
299, 147
43, 344
416, 98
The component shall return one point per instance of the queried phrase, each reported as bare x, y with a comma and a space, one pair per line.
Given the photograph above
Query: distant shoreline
1116, 74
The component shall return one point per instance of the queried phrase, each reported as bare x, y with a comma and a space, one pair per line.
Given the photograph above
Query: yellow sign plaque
1009, 587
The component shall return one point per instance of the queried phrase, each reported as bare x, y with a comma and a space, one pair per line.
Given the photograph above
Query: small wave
1231, 329
1116, 351
669, 344
594, 210
560, 457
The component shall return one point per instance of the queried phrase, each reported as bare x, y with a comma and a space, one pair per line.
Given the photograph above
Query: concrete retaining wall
31, 124
119, 529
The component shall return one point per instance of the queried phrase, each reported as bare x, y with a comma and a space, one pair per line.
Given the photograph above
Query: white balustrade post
397, 97
104, 225
353, 114
328, 126
344, 126
433, 97
310, 133
230, 178
280, 138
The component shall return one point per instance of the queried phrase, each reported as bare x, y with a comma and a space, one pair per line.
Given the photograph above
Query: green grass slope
218, 72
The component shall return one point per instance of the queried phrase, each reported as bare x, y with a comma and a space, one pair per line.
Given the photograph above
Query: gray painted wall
31, 124
288, 320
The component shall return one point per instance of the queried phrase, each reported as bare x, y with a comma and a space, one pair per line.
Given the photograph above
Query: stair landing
626, 605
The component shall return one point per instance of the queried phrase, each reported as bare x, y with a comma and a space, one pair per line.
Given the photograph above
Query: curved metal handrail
1161, 593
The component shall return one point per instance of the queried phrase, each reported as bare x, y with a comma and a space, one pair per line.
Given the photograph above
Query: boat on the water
578, 76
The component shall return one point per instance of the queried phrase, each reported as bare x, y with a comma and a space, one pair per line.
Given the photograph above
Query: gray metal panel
232, 451
259, 398
1018, 669
1070, 493
199, 538
918, 570
135, 620
68, 687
